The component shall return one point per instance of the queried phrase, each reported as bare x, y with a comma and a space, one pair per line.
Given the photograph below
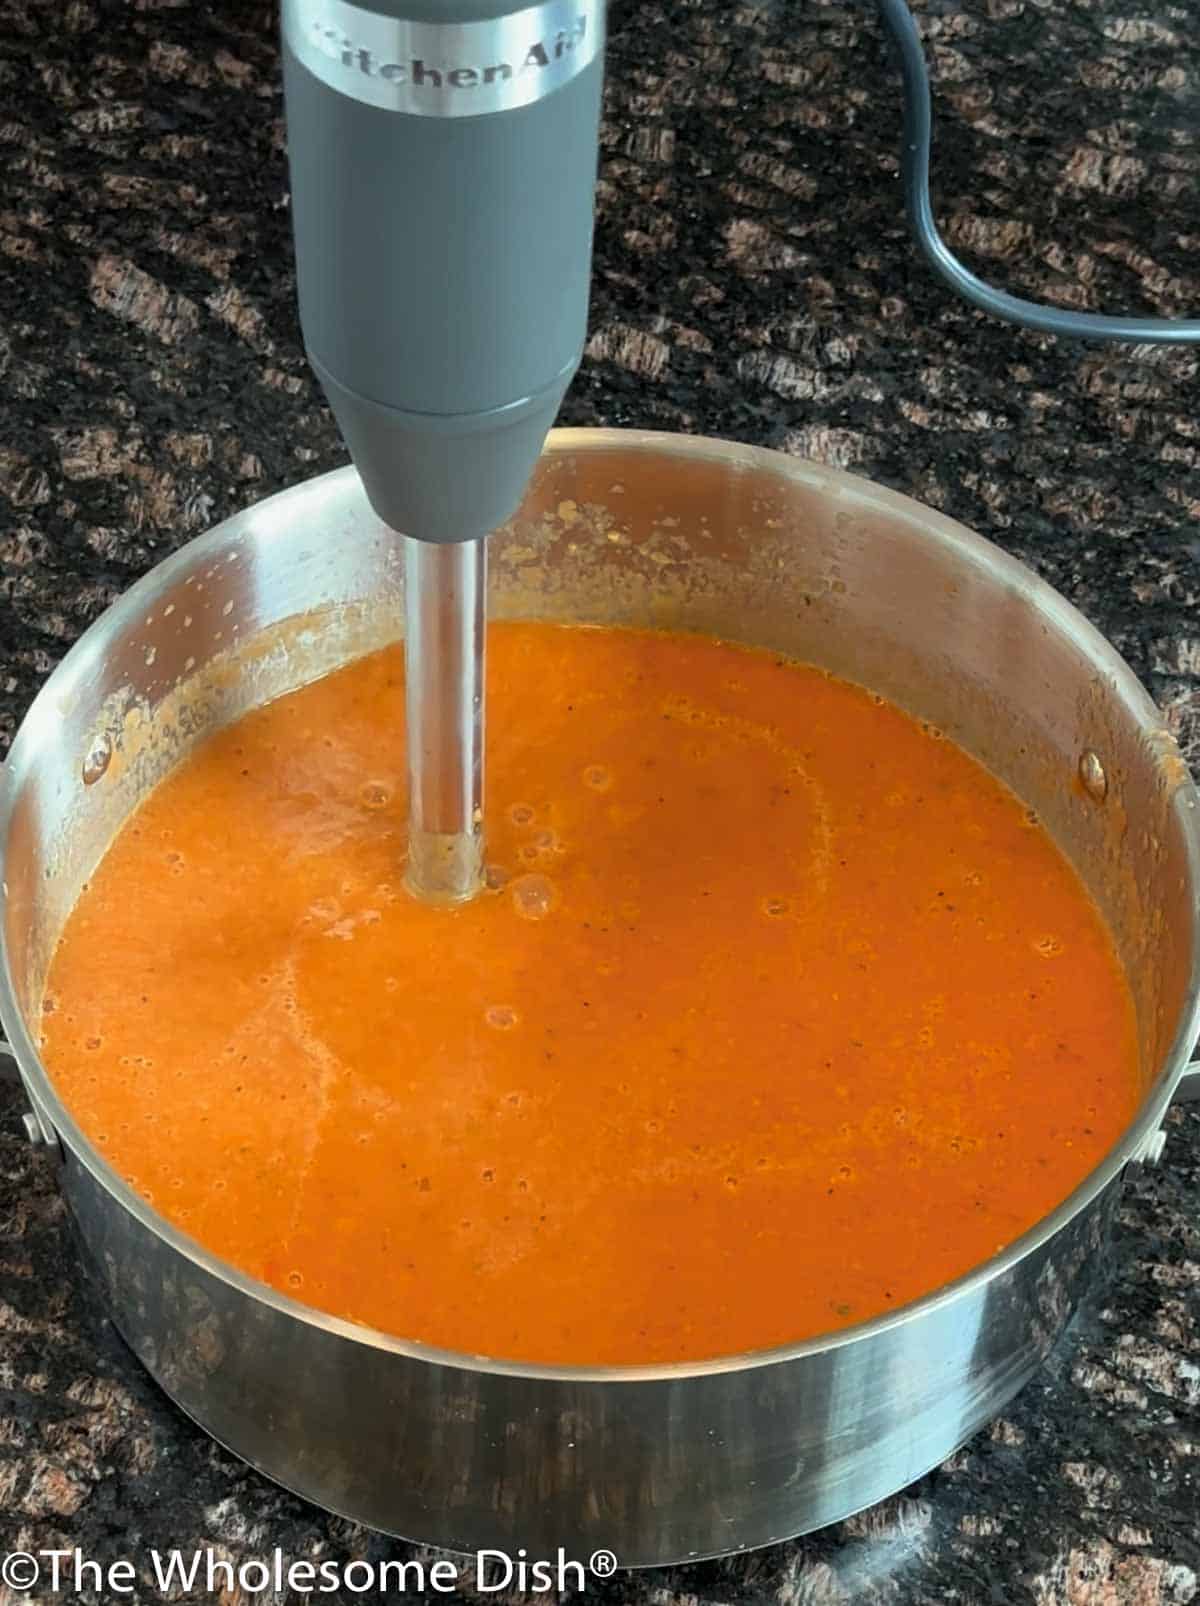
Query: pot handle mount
38, 1129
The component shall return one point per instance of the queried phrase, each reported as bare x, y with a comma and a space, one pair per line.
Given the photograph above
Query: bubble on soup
533, 896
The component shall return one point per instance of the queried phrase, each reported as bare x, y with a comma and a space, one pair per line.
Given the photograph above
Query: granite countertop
754, 280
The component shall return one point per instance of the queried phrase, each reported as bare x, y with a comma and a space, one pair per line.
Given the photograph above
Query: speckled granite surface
754, 280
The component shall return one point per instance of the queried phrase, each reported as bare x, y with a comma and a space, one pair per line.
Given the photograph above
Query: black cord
898, 19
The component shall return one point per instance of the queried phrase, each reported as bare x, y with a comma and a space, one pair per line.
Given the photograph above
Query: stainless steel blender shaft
445, 596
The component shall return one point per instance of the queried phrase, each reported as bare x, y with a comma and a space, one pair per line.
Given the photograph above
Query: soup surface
780, 1012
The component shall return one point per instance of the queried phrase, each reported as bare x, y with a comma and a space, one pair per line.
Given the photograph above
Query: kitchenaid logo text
542, 53
445, 69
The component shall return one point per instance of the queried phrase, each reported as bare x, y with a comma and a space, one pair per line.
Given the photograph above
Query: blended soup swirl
778, 1013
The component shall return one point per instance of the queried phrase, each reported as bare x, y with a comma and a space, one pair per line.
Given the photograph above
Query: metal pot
656, 1463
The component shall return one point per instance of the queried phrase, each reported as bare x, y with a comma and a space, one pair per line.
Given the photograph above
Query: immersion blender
443, 165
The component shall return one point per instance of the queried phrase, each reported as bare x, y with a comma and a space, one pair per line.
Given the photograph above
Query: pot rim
1055, 610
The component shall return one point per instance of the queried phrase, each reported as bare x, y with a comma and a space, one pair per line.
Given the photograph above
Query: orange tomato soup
779, 1013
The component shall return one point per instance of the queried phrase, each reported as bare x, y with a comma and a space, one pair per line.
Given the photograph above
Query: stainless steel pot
656, 1463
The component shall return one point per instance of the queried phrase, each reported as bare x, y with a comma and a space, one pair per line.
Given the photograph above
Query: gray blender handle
443, 168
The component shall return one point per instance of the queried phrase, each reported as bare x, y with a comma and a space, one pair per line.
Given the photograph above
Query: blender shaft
445, 587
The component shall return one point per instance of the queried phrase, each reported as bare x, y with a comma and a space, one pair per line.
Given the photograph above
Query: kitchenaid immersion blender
443, 159
443, 165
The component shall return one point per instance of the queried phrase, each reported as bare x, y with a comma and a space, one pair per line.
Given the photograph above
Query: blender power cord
898, 20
